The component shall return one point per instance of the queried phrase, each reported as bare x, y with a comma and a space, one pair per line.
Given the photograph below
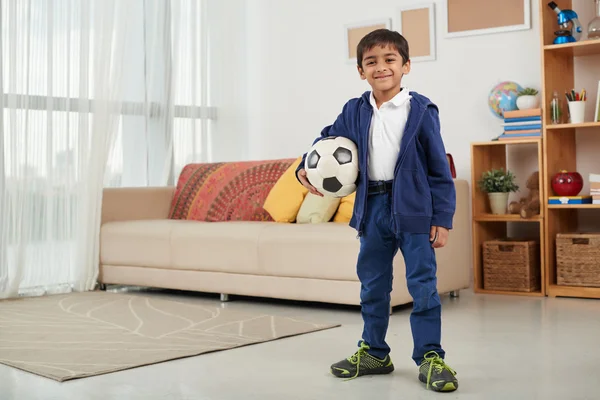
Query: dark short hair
382, 37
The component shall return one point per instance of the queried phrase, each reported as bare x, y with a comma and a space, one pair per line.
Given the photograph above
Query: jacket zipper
366, 156
400, 160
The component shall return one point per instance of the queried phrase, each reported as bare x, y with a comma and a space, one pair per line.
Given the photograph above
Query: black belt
379, 187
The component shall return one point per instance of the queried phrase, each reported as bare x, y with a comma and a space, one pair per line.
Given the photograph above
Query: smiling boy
405, 199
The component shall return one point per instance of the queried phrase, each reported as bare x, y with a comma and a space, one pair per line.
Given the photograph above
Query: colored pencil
572, 95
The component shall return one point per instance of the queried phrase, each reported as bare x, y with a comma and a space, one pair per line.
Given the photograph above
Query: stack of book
522, 124
595, 188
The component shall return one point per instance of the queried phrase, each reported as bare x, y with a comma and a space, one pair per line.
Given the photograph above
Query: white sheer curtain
167, 117
93, 93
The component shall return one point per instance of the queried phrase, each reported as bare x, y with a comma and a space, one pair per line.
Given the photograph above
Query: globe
503, 97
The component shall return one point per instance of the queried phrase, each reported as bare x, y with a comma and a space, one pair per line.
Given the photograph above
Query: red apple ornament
567, 183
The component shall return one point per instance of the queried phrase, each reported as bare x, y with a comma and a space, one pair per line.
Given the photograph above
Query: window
53, 62
47, 75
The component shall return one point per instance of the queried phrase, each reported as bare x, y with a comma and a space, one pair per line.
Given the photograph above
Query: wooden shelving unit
487, 226
557, 150
576, 49
574, 126
559, 141
573, 206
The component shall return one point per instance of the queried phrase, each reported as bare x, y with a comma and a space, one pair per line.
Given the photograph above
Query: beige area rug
79, 335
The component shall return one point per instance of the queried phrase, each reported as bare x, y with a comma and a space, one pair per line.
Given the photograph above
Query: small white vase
498, 202
528, 102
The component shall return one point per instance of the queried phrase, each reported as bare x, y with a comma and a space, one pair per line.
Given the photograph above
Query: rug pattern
71, 336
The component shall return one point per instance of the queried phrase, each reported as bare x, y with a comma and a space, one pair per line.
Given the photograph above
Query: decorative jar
594, 25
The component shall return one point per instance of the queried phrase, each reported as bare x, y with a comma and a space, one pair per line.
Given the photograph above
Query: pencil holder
577, 111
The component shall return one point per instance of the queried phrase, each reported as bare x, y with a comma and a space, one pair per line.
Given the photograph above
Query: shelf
572, 206
574, 126
575, 49
564, 67
505, 217
486, 226
510, 293
505, 142
573, 291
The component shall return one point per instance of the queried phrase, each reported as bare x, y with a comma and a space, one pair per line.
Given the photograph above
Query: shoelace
436, 363
355, 358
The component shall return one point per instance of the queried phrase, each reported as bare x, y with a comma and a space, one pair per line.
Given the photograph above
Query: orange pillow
345, 210
285, 197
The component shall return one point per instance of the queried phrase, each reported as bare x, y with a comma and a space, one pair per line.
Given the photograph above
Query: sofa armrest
136, 203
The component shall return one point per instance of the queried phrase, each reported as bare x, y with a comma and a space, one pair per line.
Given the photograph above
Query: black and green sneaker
362, 363
436, 374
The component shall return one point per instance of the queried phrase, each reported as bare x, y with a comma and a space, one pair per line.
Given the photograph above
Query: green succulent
498, 181
528, 92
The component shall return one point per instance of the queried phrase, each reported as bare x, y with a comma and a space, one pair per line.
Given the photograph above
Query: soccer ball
332, 166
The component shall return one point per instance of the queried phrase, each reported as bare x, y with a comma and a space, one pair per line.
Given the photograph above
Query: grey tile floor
502, 347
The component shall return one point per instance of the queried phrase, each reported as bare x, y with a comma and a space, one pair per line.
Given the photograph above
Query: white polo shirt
387, 126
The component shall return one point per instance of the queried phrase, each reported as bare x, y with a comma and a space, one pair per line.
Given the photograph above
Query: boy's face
383, 68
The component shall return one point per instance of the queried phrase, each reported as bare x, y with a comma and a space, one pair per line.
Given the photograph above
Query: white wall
228, 63
588, 140
586, 76
298, 79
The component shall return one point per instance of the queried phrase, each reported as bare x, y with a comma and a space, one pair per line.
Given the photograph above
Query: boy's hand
306, 183
438, 236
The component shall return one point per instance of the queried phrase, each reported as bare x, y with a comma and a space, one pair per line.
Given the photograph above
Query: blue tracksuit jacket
423, 191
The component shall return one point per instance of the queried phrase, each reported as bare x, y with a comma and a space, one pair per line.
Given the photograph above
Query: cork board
477, 17
355, 32
417, 25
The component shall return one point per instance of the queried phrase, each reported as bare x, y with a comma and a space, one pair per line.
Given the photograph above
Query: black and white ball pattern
332, 166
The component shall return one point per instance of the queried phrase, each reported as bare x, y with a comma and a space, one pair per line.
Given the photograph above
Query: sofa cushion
217, 246
137, 243
232, 191
323, 251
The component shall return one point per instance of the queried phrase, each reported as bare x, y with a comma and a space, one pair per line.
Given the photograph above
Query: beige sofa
314, 262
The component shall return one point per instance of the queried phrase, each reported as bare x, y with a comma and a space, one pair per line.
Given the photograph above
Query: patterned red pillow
232, 191
451, 163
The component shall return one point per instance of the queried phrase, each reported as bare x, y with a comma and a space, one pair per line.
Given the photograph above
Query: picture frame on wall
475, 17
417, 24
354, 32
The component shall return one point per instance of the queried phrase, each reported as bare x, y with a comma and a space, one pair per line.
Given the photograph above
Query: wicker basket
512, 265
578, 259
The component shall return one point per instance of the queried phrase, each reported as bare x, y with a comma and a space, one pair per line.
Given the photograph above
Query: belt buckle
381, 187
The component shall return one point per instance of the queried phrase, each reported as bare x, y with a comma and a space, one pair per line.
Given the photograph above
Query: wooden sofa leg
455, 293
102, 286
224, 297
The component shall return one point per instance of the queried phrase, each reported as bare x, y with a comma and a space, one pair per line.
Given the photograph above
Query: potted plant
498, 184
528, 99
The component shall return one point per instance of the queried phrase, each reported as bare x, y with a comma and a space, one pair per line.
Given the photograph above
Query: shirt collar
398, 100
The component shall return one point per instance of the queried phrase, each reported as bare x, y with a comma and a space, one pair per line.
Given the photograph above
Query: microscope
565, 19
